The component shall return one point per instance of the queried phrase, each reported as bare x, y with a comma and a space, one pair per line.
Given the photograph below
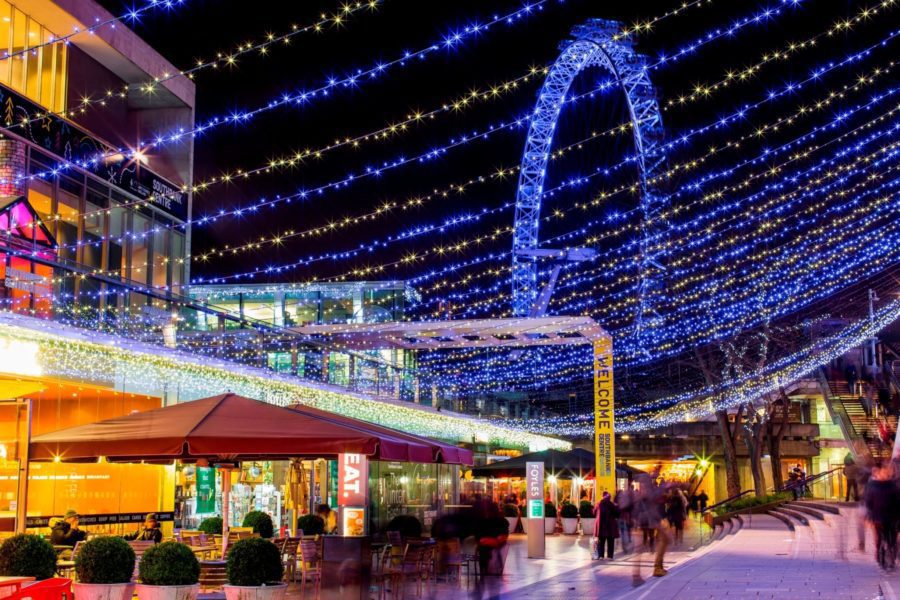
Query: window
118, 225
17, 62
39, 74
160, 256
40, 196
140, 248
68, 211
94, 222
177, 261
5, 38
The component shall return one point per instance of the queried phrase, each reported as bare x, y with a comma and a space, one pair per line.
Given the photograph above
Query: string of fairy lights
736, 117
629, 248
832, 225
99, 24
776, 214
514, 123
102, 100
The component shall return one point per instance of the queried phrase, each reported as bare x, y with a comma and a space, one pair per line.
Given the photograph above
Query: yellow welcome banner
604, 418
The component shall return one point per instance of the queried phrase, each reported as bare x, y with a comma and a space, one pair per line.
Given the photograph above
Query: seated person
66, 532
325, 513
150, 531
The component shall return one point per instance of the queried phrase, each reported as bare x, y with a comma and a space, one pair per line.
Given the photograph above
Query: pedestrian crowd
647, 518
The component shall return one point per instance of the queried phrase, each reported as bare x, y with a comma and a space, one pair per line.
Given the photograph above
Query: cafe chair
67, 567
58, 588
381, 570
139, 547
411, 566
212, 577
470, 558
310, 566
451, 559
289, 553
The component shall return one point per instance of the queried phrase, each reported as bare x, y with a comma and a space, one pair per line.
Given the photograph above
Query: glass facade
34, 70
294, 305
91, 222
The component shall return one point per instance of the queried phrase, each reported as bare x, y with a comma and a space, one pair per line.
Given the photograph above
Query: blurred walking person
625, 502
650, 512
883, 511
676, 513
606, 526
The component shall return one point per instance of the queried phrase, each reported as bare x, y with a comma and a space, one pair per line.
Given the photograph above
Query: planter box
168, 592
263, 592
103, 591
570, 526
549, 525
587, 526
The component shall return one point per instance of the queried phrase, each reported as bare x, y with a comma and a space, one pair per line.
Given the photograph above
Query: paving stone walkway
763, 560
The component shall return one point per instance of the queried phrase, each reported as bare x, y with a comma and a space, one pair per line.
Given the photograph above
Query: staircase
860, 429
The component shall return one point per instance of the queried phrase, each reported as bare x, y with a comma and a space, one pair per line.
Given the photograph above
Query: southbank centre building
97, 321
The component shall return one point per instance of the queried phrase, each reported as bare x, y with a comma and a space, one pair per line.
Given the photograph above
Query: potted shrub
254, 571
549, 518
511, 512
211, 526
586, 512
168, 571
104, 566
260, 522
311, 525
569, 514
26, 555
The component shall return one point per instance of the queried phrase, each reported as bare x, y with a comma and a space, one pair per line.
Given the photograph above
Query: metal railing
725, 501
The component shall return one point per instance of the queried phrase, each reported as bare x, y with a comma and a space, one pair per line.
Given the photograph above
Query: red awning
442, 452
228, 428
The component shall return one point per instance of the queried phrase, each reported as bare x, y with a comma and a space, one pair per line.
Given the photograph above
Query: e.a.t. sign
604, 418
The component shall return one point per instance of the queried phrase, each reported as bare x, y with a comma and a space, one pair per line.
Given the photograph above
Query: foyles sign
534, 486
353, 479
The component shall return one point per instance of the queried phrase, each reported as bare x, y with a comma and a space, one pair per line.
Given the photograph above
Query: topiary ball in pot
260, 522
105, 560
311, 525
254, 562
169, 563
211, 526
510, 510
549, 510
27, 555
585, 509
569, 511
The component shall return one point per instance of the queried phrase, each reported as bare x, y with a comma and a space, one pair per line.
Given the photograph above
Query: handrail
725, 501
809, 480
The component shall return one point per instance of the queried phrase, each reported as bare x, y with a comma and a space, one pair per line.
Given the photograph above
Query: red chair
58, 588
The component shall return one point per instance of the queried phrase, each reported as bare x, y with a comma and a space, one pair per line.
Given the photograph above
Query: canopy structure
470, 333
577, 462
231, 428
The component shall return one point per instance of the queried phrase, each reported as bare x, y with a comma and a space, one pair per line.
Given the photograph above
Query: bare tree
775, 433
730, 434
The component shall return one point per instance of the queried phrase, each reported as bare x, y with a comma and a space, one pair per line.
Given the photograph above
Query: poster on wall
206, 490
353, 521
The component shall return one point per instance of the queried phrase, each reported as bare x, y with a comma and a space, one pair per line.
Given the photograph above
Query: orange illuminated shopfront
112, 496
